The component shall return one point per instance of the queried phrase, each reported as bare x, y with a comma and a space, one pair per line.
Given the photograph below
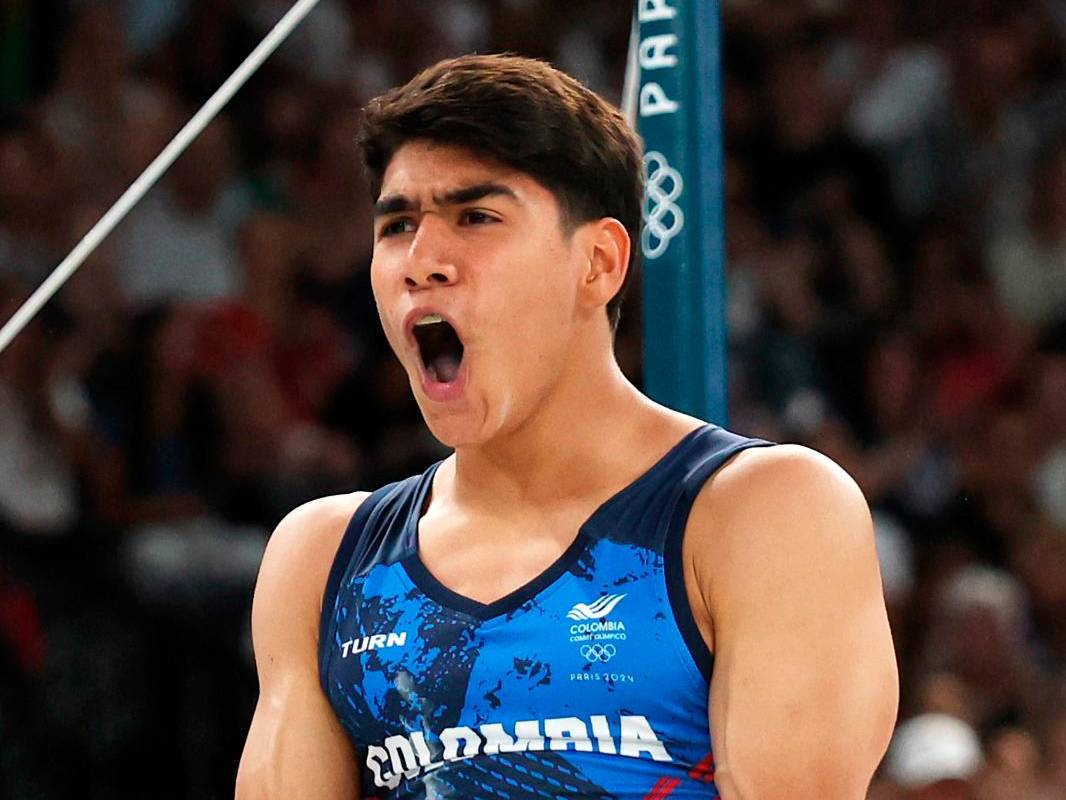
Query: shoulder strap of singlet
376, 534
704, 455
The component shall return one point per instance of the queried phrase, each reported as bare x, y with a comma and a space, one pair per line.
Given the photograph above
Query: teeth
429, 319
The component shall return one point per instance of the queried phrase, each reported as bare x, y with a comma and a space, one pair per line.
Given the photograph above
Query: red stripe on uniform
662, 788
704, 771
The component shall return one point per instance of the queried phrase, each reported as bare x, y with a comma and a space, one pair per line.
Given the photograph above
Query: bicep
296, 748
803, 696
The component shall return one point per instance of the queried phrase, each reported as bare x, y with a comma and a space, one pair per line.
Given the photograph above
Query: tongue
443, 369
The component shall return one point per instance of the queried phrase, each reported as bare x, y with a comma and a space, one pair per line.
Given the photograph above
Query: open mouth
439, 347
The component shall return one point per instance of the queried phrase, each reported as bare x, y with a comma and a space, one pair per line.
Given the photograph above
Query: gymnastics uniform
590, 681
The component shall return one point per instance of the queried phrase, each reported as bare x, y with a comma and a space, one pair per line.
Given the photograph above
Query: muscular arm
296, 748
804, 691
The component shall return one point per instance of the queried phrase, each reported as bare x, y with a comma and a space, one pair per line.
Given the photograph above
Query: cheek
547, 289
377, 279
534, 326
530, 310
383, 288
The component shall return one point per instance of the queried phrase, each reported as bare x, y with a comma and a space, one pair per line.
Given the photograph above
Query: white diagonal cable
69, 265
631, 85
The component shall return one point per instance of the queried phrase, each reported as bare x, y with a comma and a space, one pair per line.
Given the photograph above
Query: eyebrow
395, 203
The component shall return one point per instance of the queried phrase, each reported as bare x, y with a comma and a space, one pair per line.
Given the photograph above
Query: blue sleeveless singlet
591, 681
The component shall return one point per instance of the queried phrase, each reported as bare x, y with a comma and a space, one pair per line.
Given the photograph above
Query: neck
584, 438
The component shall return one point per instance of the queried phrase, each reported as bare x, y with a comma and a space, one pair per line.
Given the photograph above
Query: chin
470, 421
454, 429
454, 433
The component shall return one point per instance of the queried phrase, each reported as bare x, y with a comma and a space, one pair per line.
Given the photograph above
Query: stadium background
896, 204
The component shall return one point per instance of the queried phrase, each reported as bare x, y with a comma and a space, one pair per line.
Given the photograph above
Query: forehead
421, 170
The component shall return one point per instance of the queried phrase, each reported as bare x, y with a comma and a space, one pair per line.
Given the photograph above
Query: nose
430, 261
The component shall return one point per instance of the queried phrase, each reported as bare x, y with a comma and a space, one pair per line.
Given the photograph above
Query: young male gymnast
593, 596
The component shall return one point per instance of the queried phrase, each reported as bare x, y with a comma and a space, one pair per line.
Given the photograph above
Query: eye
475, 217
396, 226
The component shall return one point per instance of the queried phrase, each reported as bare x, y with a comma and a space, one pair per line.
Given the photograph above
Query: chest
566, 658
487, 558
595, 639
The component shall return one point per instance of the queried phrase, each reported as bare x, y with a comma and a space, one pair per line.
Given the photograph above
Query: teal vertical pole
678, 109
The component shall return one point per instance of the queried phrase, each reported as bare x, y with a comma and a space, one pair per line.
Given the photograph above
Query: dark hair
529, 116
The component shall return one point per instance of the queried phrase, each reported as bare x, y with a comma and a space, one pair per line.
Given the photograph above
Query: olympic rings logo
598, 652
663, 217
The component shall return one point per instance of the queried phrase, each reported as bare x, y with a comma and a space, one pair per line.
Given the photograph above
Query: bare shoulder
314, 529
297, 562
779, 509
780, 483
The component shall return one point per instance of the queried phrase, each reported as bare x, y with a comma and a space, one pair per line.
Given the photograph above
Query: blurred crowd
896, 205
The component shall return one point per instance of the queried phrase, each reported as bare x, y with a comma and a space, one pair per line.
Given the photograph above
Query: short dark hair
525, 114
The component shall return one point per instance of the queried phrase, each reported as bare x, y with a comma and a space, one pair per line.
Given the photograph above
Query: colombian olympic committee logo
598, 652
663, 217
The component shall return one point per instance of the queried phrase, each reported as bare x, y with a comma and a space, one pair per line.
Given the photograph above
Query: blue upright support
679, 114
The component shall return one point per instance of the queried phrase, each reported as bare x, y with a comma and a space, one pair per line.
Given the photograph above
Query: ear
607, 246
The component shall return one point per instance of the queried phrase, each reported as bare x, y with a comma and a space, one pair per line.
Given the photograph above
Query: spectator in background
934, 757
980, 635
29, 195
1013, 766
83, 111
896, 89
38, 489
179, 242
1028, 261
1053, 750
